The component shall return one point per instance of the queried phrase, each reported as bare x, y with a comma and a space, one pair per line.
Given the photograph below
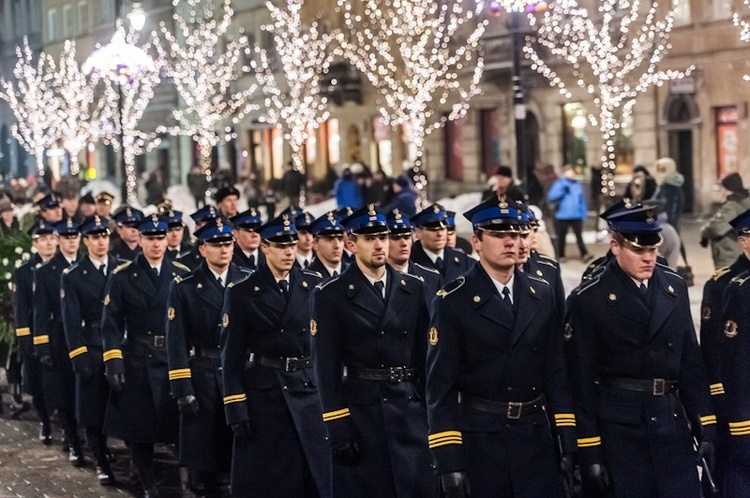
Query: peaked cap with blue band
368, 219
741, 223
215, 230
326, 225
498, 214
344, 212
66, 227
205, 213
248, 219
638, 223
94, 224
173, 218
398, 223
432, 216
153, 225
280, 229
41, 228
127, 215
303, 221
49, 201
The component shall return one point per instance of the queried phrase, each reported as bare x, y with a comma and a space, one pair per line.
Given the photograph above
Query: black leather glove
455, 484
704, 243
188, 406
242, 430
46, 361
116, 382
346, 452
707, 452
596, 477
566, 469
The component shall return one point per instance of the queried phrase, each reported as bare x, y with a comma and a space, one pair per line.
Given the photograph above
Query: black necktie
439, 263
335, 273
103, 270
506, 299
156, 270
252, 261
220, 281
379, 288
284, 287
306, 264
643, 289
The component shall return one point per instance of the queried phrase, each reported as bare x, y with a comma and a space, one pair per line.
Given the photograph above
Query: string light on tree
203, 69
33, 100
613, 55
414, 52
293, 102
129, 77
739, 17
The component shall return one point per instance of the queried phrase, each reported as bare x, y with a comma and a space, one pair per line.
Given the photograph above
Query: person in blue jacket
404, 198
567, 193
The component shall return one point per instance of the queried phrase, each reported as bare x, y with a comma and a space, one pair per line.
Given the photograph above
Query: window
83, 17
721, 9
334, 142
682, 13
574, 134
727, 140
454, 163
490, 141
52, 25
68, 21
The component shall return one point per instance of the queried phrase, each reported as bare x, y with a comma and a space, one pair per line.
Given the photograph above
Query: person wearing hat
227, 199
431, 249
347, 257
305, 253
49, 207
400, 242
177, 243
369, 335
9, 226
497, 390
404, 197
733, 356
636, 370
717, 231
247, 253
43, 240
83, 290
504, 185
140, 410
328, 243
450, 221
192, 256
87, 205
104, 204
193, 348
126, 248
271, 401
50, 345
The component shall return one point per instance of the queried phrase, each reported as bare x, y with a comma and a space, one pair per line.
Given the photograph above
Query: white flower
25, 256
18, 263
7, 276
19, 250
5, 261
10, 285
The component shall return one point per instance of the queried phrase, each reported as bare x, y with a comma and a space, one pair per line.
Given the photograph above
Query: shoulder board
670, 272
323, 285
537, 279
547, 258
239, 281
451, 287
584, 286
720, 273
429, 270
548, 263
741, 278
248, 271
181, 266
122, 267
313, 273
413, 276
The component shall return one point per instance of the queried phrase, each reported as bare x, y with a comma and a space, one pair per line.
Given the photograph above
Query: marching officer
103, 209
177, 243
192, 257
193, 341
341, 213
44, 241
431, 249
534, 263
271, 401
450, 226
247, 252
636, 371
369, 334
49, 207
305, 253
49, 336
400, 242
328, 243
126, 248
728, 335
83, 289
496, 377
140, 410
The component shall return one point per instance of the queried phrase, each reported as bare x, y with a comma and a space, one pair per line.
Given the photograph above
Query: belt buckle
659, 388
514, 411
288, 364
158, 341
395, 375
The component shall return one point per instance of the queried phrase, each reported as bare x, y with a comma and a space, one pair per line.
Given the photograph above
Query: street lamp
517, 10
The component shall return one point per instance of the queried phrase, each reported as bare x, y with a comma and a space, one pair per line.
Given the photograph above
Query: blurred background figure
571, 212
347, 191
717, 231
404, 197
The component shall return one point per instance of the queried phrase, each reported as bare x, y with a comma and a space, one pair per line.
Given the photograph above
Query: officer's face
498, 250
744, 242
280, 258
88, 209
638, 263
103, 209
399, 248
46, 245
154, 246
97, 244
451, 237
329, 249
228, 205
533, 238
52, 215
433, 240
69, 244
305, 242
523, 248
174, 236
247, 239
218, 254
371, 250
128, 234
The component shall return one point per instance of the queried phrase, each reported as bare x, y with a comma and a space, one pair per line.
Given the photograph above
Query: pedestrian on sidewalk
717, 230
567, 193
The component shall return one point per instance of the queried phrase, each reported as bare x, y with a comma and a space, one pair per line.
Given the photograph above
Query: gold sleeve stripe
23, 332
444, 438
235, 398
717, 389
445, 442
740, 432
708, 420
180, 373
565, 420
335, 415
444, 434
112, 354
78, 351
41, 339
589, 442
740, 425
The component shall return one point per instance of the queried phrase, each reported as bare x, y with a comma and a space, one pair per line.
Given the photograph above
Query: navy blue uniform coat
455, 263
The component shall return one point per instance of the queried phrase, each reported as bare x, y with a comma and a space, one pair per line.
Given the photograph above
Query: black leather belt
153, 341
213, 354
285, 364
393, 375
512, 410
655, 387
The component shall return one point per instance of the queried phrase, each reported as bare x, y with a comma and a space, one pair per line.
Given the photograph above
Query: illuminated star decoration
203, 67
613, 55
34, 103
415, 53
293, 101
